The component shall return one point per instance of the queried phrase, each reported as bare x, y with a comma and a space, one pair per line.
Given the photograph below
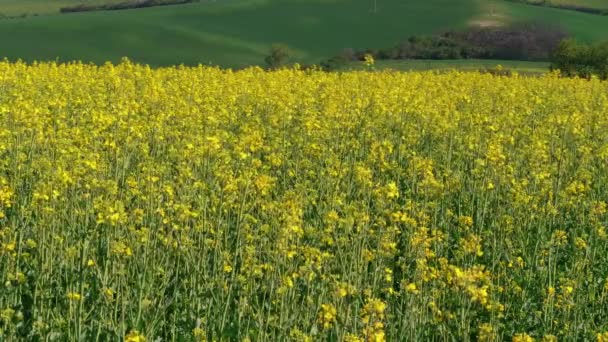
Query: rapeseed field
200, 204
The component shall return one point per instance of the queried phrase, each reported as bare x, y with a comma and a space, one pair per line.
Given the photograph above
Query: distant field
569, 4
231, 33
460, 64
585, 3
596, 3
237, 33
29, 7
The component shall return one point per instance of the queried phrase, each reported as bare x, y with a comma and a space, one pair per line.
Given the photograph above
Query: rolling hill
236, 33
38, 7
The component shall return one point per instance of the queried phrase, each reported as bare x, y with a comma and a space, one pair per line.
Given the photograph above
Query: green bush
279, 55
574, 59
335, 63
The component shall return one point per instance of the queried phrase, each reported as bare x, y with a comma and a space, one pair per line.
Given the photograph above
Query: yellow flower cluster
327, 316
194, 203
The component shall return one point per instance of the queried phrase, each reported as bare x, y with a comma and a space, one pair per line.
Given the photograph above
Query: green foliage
521, 41
278, 56
575, 59
340, 61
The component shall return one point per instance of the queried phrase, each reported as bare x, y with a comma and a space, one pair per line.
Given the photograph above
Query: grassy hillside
236, 33
583, 26
599, 4
586, 3
30, 7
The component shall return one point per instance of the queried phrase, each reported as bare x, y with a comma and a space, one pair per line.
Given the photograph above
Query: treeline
571, 7
524, 41
20, 16
581, 60
131, 4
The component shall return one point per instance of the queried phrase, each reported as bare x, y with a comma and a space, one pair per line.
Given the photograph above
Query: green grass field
30, 7
583, 3
236, 33
586, 3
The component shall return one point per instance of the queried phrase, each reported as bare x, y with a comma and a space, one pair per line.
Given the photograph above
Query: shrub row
20, 16
524, 41
581, 60
131, 4
570, 7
